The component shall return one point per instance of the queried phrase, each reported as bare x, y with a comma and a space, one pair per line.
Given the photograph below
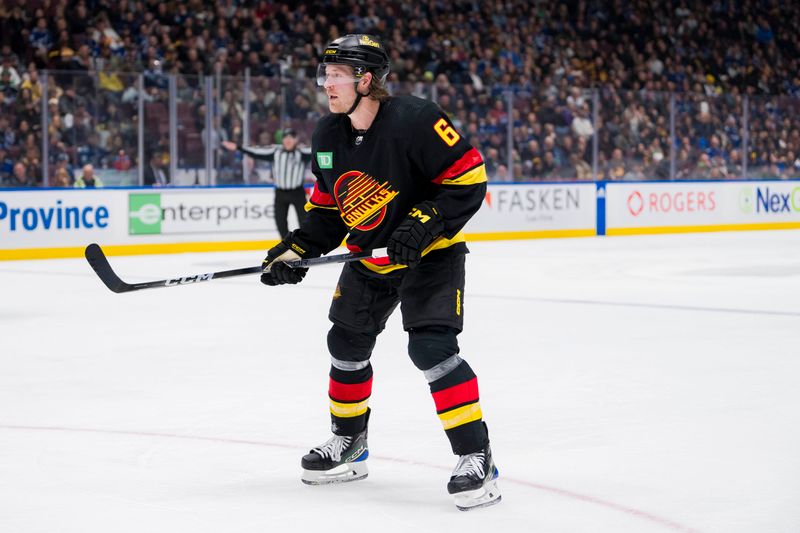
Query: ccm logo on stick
189, 279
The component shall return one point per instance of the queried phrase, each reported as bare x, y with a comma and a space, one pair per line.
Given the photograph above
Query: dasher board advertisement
561, 209
701, 206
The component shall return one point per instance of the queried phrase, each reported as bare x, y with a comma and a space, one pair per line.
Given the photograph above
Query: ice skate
474, 481
339, 460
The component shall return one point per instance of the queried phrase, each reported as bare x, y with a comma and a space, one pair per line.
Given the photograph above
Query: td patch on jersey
325, 160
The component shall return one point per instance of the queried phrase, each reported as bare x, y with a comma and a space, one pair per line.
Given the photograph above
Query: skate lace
471, 465
334, 447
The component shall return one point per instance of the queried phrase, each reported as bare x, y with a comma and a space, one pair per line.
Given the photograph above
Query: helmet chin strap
359, 96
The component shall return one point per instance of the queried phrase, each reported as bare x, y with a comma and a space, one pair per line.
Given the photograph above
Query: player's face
339, 85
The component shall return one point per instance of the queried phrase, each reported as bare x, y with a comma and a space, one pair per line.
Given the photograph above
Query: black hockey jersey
366, 186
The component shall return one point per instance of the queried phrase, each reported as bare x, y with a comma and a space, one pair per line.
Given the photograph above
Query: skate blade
341, 474
485, 496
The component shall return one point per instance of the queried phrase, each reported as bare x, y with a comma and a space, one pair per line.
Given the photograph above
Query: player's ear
364, 82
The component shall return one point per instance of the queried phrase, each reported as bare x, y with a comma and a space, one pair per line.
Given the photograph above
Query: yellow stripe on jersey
309, 206
471, 177
461, 416
437, 244
348, 410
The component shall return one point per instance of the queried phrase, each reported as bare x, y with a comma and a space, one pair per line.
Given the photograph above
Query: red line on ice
553, 490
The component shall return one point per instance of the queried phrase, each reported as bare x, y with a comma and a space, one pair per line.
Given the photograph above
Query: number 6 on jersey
446, 132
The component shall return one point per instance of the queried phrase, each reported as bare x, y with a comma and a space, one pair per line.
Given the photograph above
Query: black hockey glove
275, 269
422, 225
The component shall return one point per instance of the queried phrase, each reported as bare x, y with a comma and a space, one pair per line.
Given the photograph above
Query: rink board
678, 207
53, 223
61, 222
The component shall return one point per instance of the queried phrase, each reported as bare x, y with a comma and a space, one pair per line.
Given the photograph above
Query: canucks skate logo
362, 200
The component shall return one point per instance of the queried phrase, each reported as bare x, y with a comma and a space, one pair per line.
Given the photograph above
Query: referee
288, 172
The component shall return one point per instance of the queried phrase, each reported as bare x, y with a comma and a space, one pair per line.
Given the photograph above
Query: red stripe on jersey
343, 392
379, 261
322, 198
467, 162
456, 395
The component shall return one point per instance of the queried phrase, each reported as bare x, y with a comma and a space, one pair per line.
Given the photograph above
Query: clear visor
334, 75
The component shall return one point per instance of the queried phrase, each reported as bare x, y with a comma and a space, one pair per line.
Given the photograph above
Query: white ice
630, 384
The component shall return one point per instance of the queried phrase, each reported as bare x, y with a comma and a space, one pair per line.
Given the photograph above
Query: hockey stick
97, 259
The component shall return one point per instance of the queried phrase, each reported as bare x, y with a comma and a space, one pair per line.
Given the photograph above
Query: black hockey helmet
364, 53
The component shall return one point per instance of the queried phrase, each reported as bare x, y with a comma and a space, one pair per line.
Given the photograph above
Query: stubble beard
337, 105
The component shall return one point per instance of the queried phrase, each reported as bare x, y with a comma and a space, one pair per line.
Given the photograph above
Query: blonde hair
377, 91
61, 178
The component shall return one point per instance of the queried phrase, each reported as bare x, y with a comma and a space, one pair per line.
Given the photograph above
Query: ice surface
630, 384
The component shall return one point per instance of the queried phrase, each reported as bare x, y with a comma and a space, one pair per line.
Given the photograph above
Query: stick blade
97, 259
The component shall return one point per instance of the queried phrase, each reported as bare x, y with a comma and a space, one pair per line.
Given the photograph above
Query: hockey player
393, 172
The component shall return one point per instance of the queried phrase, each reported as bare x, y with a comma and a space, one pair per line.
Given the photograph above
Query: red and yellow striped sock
349, 405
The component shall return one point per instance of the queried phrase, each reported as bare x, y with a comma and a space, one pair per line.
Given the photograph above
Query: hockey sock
349, 394
453, 385
459, 409
350, 383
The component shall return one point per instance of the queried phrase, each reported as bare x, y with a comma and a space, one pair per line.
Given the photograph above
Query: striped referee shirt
288, 167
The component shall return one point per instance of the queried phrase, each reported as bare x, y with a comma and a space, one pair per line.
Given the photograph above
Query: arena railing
126, 125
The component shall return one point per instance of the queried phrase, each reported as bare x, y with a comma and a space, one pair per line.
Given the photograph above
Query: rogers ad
666, 207
671, 202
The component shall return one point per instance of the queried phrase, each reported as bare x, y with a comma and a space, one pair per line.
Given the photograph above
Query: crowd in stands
550, 74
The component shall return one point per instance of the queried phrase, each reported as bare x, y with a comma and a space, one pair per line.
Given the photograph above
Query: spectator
537, 168
61, 178
734, 165
548, 64
548, 165
8, 88
492, 162
582, 170
155, 174
20, 176
13, 78
7, 56
63, 163
88, 179
502, 175
703, 167
582, 124
32, 83
40, 38
121, 161
636, 173
8, 135
92, 152
6, 165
